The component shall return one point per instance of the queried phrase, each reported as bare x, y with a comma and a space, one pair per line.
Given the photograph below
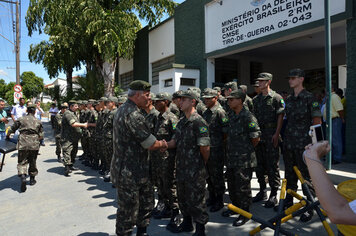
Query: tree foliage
32, 85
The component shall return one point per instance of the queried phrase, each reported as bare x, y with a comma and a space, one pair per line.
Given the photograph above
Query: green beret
296, 73
210, 93
237, 94
140, 85
265, 76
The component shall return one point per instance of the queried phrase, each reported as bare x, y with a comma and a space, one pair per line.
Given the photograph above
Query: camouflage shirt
267, 109
152, 119
102, 115
240, 151
68, 132
248, 103
92, 118
30, 129
108, 125
300, 111
218, 123
201, 107
58, 124
175, 110
132, 138
190, 135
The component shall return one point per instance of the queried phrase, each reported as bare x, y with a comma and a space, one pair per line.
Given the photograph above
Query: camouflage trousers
69, 150
108, 152
215, 167
25, 158
85, 145
191, 199
58, 146
135, 203
239, 185
268, 164
92, 149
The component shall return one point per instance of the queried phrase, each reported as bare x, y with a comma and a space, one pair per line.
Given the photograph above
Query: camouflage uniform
69, 137
175, 110
248, 104
218, 121
30, 129
241, 157
57, 131
300, 112
163, 163
267, 110
83, 118
108, 143
190, 170
98, 137
93, 117
130, 168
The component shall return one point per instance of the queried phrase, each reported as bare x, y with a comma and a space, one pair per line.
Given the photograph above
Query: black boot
241, 220
211, 200
23, 183
107, 176
141, 231
219, 203
32, 180
59, 159
272, 200
185, 226
260, 196
199, 230
67, 171
174, 221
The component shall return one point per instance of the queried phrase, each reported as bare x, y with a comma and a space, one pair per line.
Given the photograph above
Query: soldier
248, 101
163, 163
217, 120
221, 98
70, 134
31, 132
92, 117
243, 136
57, 129
192, 143
200, 106
121, 100
99, 135
228, 88
269, 111
96, 138
302, 111
256, 87
107, 132
174, 106
83, 116
130, 163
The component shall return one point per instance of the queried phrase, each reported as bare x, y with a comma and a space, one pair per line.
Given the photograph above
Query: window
168, 82
125, 80
187, 82
157, 67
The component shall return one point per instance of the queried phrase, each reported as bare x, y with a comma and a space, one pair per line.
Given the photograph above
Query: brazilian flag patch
225, 119
252, 125
315, 104
203, 130
174, 126
282, 101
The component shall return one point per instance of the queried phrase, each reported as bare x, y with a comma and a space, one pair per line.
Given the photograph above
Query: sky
7, 52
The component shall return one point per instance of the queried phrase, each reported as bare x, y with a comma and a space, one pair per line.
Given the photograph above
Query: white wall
125, 66
176, 74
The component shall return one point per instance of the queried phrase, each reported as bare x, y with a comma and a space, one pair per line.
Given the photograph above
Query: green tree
2, 88
91, 86
9, 94
32, 85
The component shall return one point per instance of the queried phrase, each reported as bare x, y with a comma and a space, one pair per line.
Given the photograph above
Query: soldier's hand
164, 146
86, 125
275, 139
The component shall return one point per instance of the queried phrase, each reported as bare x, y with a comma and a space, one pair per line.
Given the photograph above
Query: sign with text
235, 22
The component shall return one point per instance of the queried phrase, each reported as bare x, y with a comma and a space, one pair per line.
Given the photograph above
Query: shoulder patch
174, 126
203, 129
225, 119
252, 125
315, 104
282, 101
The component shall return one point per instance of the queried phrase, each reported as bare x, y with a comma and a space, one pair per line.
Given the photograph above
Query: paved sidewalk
84, 205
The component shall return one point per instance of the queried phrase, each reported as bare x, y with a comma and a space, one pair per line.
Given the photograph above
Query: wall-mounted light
219, 1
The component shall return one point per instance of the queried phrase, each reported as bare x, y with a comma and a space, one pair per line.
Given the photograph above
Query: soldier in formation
57, 130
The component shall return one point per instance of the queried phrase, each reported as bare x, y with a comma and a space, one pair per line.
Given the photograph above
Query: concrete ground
85, 205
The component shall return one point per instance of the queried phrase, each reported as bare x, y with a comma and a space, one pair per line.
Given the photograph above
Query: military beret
296, 73
122, 99
64, 105
177, 94
190, 94
140, 85
163, 96
264, 76
210, 93
237, 94
232, 85
217, 89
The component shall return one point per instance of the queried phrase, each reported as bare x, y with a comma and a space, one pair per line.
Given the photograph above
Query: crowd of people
178, 144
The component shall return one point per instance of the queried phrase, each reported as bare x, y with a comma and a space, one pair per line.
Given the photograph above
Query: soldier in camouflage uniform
192, 143
31, 132
221, 98
163, 163
107, 132
228, 88
99, 135
130, 164
200, 106
70, 135
217, 119
83, 118
269, 113
174, 106
96, 138
302, 111
57, 129
248, 101
243, 136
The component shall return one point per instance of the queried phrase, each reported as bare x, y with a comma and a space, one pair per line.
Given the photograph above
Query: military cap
84, 102
113, 99
140, 85
243, 87
64, 105
122, 99
103, 99
79, 102
296, 73
210, 93
31, 106
256, 84
91, 101
232, 85
195, 89
217, 89
72, 102
190, 94
264, 76
238, 94
177, 94
162, 96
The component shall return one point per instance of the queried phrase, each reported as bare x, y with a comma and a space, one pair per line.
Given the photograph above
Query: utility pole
17, 42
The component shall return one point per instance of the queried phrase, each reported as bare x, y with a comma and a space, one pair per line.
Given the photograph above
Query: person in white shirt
19, 110
53, 111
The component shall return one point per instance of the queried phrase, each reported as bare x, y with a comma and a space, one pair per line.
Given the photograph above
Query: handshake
163, 145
